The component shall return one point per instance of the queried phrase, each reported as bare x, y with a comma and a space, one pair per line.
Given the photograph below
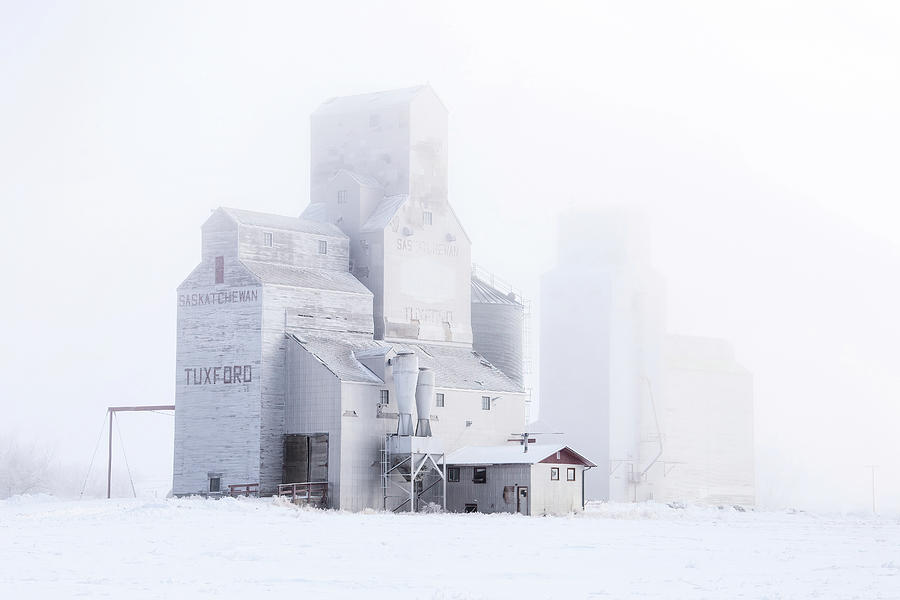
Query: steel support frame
111, 411
418, 463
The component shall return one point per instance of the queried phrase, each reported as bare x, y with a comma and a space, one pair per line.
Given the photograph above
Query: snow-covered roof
382, 215
306, 277
509, 455
371, 101
462, 368
336, 352
454, 367
270, 221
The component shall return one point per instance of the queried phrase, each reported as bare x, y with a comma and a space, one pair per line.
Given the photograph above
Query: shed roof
336, 353
510, 455
259, 219
306, 277
484, 293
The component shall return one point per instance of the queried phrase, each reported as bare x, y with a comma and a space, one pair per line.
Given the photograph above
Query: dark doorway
305, 458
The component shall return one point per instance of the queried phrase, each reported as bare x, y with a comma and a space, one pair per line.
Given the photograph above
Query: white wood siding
217, 424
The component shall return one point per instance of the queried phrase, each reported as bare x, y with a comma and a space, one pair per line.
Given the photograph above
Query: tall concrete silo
498, 328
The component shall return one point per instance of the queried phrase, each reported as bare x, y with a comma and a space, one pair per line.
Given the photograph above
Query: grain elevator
320, 348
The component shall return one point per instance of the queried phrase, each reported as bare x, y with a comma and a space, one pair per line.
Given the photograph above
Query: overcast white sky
761, 140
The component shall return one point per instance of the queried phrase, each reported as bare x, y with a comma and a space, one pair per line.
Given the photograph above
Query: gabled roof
363, 180
306, 277
270, 221
510, 455
371, 101
484, 293
382, 215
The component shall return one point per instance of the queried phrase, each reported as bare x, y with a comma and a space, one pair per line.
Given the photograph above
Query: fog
759, 140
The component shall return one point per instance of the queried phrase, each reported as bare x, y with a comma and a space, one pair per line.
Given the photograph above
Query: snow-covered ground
246, 548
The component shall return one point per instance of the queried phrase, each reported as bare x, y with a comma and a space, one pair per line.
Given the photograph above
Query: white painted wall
550, 497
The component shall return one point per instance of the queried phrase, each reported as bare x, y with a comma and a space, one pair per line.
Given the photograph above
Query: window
374, 120
268, 239
439, 399
479, 475
342, 197
453, 474
323, 247
220, 269
385, 397
471, 508
485, 403
570, 474
215, 485
427, 217
554, 474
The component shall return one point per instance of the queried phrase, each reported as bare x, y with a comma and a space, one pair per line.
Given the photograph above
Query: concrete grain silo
498, 328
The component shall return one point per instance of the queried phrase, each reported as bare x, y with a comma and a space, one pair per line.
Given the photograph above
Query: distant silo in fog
498, 328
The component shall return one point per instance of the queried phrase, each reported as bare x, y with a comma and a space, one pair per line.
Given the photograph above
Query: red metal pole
109, 461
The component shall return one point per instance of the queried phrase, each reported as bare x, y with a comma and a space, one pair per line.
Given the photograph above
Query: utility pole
872, 468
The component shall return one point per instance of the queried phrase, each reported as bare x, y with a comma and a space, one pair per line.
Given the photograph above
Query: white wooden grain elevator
292, 330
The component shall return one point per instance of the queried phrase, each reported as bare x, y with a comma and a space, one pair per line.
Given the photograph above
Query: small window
427, 217
471, 508
342, 197
323, 247
570, 474
215, 485
485, 403
374, 120
220, 269
453, 474
439, 399
554, 474
479, 475
385, 397
268, 239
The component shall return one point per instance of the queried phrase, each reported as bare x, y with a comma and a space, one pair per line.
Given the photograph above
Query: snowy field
249, 548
